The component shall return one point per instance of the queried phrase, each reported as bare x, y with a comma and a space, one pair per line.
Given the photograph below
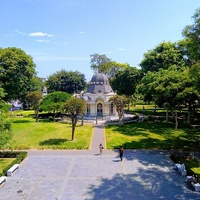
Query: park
51, 128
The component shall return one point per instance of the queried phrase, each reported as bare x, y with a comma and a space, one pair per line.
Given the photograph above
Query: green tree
53, 102
191, 33
64, 81
36, 84
163, 56
16, 72
126, 80
119, 102
146, 87
74, 107
5, 123
194, 74
34, 98
173, 89
99, 63
102, 64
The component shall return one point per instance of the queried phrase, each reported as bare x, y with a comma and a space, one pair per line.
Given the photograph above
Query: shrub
10, 154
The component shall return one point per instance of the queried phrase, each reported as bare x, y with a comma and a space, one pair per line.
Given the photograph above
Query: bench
3, 179
196, 186
183, 172
12, 169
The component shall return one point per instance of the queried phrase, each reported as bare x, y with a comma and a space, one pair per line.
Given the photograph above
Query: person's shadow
117, 159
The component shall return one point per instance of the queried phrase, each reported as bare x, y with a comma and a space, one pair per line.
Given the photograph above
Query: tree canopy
119, 101
5, 123
191, 33
163, 56
53, 101
16, 72
34, 98
126, 80
74, 107
102, 64
66, 81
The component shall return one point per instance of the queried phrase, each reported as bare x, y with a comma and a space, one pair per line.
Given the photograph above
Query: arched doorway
99, 109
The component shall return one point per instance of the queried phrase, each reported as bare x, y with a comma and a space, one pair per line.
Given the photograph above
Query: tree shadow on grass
53, 141
187, 140
167, 144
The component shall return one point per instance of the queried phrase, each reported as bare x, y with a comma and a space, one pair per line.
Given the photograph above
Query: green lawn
4, 162
192, 165
28, 134
154, 136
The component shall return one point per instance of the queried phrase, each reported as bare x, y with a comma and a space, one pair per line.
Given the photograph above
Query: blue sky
62, 34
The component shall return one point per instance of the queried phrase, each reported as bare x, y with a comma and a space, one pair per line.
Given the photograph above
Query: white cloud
60, 43
19, 32
121, 49
40, 34
82, 32
45, 41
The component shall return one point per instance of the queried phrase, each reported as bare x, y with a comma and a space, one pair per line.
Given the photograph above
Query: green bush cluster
10, 154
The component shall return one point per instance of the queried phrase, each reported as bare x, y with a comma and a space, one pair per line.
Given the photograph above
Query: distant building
97, 97
44, 90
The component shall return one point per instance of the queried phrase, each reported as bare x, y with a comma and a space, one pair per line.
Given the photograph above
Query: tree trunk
155, 109
120, 115
82, 120
176, 119
73, 130
120, 120
167, 115
74, 121
189, 110
36, 114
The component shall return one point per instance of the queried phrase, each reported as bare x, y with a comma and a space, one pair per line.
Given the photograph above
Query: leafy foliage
191, 33
53, 101
16, 72
165, 55
74, 107
5, 123
101, 64
64, 81
126, 80
34, 98
119, 101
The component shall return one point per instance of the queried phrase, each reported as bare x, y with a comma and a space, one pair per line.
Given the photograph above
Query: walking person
121, 153
100, 148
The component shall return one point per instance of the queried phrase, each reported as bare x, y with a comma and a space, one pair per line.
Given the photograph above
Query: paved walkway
85, 175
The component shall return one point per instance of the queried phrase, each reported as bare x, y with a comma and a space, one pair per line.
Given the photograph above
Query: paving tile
85, 175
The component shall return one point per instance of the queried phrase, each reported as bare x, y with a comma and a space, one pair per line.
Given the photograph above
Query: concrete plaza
85, 175
62, 175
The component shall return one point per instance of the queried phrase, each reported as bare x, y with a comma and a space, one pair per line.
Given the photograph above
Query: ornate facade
97, 97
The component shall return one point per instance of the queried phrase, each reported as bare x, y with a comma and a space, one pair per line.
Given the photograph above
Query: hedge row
11, 154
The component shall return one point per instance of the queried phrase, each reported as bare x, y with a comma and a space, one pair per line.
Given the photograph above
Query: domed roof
99, 84
99, 77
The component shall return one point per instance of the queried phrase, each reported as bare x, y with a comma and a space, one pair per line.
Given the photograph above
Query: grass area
192, 165
28, 134
157, 135
4, 162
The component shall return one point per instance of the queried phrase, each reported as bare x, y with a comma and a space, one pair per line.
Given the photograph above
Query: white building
97, 97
